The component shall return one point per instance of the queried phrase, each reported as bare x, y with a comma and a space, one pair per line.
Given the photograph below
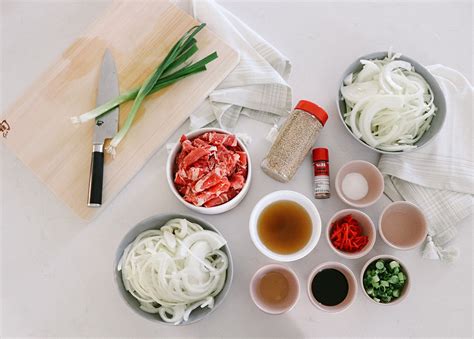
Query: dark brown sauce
330, 287
284, 227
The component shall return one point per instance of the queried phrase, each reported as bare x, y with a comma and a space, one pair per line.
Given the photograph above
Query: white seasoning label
321, 184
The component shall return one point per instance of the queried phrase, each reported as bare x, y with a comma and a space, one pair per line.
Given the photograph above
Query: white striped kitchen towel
439, 177
257, 87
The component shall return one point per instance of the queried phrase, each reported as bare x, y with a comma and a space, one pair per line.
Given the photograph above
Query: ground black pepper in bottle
321, 173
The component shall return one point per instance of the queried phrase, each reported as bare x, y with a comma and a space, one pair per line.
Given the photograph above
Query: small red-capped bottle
321, 173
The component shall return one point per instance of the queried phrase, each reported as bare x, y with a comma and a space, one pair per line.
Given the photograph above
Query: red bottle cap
313, 109
320, 154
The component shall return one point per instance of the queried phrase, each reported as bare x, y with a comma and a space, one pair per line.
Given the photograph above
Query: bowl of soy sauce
332, 287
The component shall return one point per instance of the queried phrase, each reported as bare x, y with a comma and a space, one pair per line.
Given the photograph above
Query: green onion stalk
166, 74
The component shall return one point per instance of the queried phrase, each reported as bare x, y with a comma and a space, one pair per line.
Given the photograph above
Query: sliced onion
368, 72
388, 105
209, 302
173, 270
356, 91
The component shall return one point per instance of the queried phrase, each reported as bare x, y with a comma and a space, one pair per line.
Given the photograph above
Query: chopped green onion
384, 281
394, 279
394, 264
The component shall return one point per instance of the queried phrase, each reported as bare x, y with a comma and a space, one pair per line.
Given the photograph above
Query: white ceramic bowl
302, 200
365, 223
170, 165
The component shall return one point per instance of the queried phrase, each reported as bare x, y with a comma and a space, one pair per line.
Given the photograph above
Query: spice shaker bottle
294, 140
321, 173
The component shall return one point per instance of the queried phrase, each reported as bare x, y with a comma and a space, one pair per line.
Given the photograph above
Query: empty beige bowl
371, 174
402, 225
275, 289
351, 281
405, 290
368, 229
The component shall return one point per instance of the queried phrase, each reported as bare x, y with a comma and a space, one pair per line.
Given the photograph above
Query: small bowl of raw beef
209, 170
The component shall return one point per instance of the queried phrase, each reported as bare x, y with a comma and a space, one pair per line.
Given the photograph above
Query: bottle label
321, 184
321, 168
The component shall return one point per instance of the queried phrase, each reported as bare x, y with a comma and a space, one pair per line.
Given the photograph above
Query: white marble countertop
56, 270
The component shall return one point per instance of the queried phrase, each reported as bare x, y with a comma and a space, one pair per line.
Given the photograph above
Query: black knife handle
96, 178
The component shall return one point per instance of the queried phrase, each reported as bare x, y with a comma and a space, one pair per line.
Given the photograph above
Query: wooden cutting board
139, 35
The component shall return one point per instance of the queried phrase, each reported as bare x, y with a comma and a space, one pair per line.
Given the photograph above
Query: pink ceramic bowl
284, 305
368, 229
402, 225
351, 280
405, 290
370, 173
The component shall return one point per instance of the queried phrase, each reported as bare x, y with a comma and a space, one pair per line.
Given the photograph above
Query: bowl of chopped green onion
385, 280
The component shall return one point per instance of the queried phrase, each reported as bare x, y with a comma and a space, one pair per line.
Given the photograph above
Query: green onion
167, 73
394, 264
384, 281
130, 95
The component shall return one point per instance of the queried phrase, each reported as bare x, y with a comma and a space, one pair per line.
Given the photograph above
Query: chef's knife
105, 127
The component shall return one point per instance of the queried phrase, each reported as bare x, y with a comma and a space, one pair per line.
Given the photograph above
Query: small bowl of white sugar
359, 183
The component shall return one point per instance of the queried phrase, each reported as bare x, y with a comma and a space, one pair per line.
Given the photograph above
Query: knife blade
105, 127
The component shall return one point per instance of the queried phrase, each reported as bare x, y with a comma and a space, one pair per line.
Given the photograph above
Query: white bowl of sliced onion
390, 103
209, 170
173, 269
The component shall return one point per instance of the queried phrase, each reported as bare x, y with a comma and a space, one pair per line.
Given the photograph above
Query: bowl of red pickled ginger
209, 170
